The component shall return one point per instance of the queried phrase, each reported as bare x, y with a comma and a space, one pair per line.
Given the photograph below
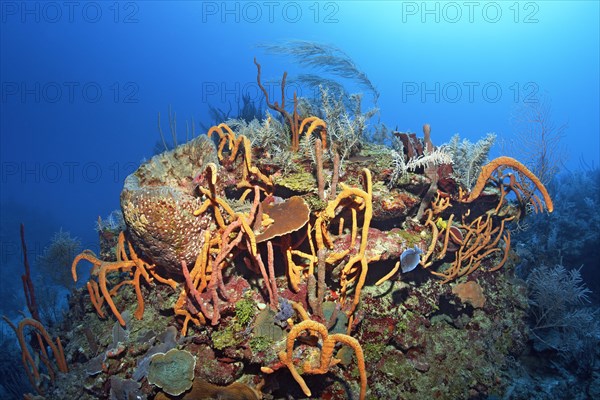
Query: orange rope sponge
326, 359
488, 169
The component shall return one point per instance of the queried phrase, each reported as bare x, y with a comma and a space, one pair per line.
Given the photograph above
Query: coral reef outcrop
281, 276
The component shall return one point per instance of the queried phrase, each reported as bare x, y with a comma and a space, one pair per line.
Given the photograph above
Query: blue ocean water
82, 84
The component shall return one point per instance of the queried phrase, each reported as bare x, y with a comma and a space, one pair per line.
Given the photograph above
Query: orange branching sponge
326, 359
440, 203
224, 138
355, 270
136, 268
204, 282
488, 170
480, 240
44, 341
234, 144
314, 123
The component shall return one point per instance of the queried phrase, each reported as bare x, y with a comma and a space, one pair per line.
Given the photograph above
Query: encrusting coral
172, 371
470, 292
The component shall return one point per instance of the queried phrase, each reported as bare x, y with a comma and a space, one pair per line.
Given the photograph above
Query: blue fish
410, 258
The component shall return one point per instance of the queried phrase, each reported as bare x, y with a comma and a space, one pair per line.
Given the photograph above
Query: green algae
373, 351
260, 343
300, 182
224, 338
245, 310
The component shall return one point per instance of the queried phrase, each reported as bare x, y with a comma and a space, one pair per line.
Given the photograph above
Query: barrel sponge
172, 371
158, 204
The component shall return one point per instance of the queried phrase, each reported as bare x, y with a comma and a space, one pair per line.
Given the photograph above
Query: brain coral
158, 202
172, 371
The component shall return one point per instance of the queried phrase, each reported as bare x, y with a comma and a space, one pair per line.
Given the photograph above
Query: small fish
410, 258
